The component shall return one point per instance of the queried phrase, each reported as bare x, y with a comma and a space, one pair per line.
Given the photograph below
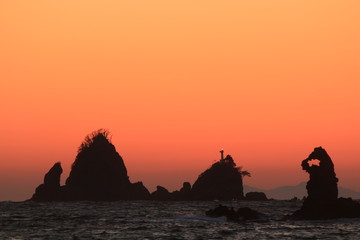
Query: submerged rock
223, 181
322, 201
256, 196
241, 214
50, 189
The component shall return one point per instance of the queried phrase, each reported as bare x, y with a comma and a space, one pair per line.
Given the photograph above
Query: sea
162, 220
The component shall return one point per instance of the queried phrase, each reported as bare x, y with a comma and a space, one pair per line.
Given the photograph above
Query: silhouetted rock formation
185, 191
98, 173
186, 188
138, 192
241, 214
322, 201
223, 181
322, 185
183, 194
50, 189
161, 194
256, 196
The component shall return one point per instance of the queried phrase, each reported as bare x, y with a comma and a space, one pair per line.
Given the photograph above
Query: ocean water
161, 220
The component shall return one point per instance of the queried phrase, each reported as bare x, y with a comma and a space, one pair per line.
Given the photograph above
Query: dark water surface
160, 220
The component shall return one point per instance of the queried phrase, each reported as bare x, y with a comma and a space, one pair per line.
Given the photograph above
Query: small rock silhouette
50, 190
161, 194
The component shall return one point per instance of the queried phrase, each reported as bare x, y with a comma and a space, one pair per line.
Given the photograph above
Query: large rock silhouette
98, 173
322, 201
222, 181
50, 189
322, 185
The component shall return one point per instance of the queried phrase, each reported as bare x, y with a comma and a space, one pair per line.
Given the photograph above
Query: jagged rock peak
52, 178
50, 189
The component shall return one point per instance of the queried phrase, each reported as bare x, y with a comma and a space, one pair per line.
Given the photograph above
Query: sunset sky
175, 82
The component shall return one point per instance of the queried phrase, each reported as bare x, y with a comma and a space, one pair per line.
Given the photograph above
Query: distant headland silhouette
99, 174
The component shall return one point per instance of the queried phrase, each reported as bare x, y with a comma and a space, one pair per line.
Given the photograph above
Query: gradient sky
176, 81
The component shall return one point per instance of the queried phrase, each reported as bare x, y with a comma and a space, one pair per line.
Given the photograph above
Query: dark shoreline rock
339, 208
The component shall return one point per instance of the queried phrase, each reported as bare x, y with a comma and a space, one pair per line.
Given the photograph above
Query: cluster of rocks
322, 201
99, 174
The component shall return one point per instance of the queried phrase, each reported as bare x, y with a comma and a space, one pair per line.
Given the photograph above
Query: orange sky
176, 81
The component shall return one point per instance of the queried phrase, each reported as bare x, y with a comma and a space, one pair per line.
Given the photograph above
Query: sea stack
222, 181
322, 201
98, 174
